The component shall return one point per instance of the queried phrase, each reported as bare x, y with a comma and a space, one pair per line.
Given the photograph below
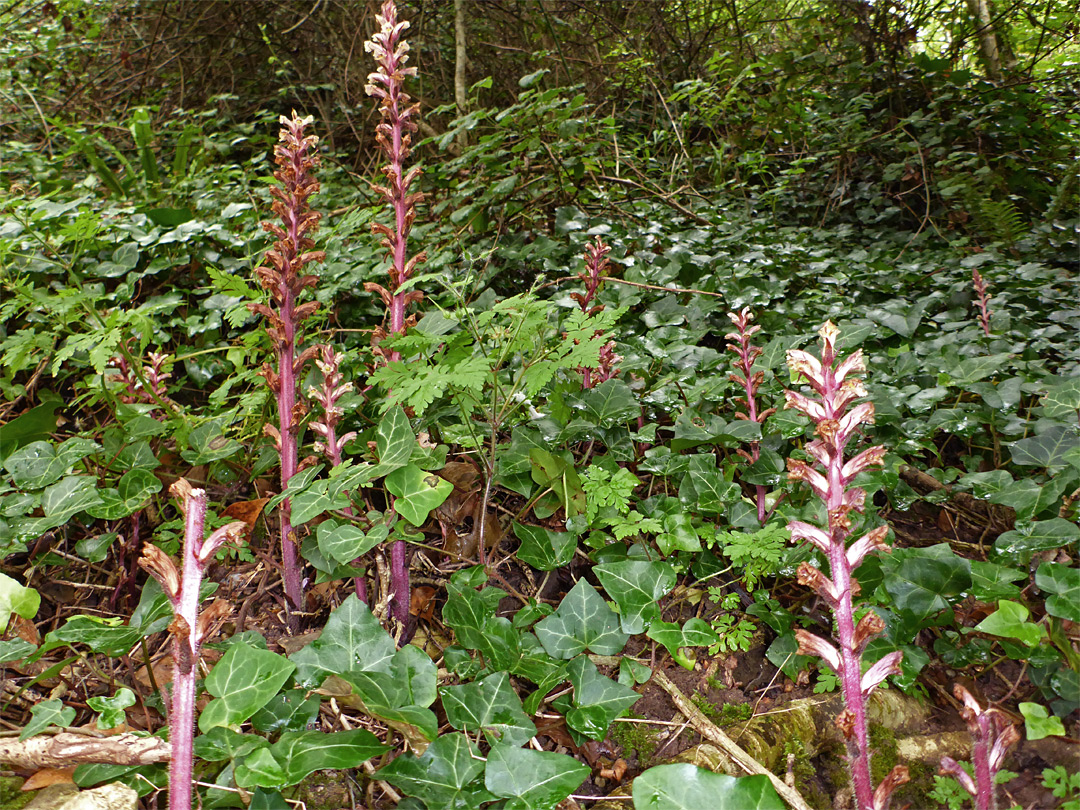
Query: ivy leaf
1016, 547
440, 777
301, 753
972, 370
583, 621
38, 464
243, 681
1038, 723
532, 780
921, 581
682, 786
608, 404
1062, 400
18, 599
401, 697
352, 640
598, 700
260, 769
636, 586
704, 488
112, 709
540, 668
344, 542
490, 705
69, 497
1010, 621
394, 441
1064, 585
543, 548
1046, 449
109, 636
208, 443
694, 633
418, 492
45, 714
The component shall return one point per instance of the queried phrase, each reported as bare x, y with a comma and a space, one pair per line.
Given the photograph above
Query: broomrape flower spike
745, 356
984, 299
993, 735
189, 628
282, 276
837, 388
326, 423
597, 267
394, 137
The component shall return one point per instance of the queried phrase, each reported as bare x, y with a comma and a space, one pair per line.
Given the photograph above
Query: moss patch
11, 797
725, 714
638, 739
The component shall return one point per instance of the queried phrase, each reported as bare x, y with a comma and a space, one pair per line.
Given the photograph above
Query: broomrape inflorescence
837, 388
746, 353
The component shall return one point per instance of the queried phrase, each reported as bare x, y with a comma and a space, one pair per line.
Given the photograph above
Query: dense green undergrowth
129, 358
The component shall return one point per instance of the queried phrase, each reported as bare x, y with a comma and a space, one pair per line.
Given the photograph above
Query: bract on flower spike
283, 277
835, 425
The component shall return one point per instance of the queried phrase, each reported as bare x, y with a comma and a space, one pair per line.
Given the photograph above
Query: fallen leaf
49, 776
422, 602
247, 511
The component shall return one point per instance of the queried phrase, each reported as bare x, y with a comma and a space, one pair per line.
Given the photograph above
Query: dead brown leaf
246, 511
49, 776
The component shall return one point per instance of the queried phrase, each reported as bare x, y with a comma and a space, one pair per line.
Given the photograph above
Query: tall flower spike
835, 426
984, 300
746, 353
326, 423
394, 137
189, 629
993, 735
597, 267
283, 277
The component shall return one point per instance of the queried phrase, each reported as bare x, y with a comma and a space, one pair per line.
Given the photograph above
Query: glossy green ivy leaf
1045, 449
899, 315
344, 542
394, 440
68, 497
220, 744
540, 668
543, 548
1038, 722
260, 769
41, 463
490, 705
208, 443
15, 649
242, 682
1010, 621
694, 632
683, 786
292, 710
972, 369
770, 470
704, 489
598, 700
1063, 583
418, 492
637, 587
678, 534
45, 714
400, 697
923, 582
440, 777
472, 615
34, 425
18, 599
1062, 401
352, 640
301, 753
610, 403
991, 582
102, 635
111, 710
532, 780
1016, 547
583, 621
558, 473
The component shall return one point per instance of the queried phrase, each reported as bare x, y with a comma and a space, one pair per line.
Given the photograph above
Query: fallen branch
711, 732
64, 750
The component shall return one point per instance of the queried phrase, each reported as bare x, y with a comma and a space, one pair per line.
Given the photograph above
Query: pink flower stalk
835, 426
189, 628
745, 355
394, 137
597, 267
326, 423
283, 277
993, 735
984, 298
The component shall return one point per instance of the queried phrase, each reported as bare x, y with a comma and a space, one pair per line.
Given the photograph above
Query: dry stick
666, 200
711, 732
